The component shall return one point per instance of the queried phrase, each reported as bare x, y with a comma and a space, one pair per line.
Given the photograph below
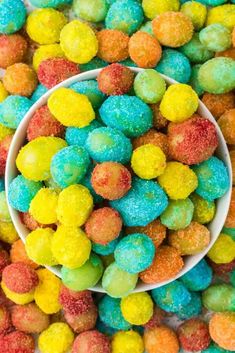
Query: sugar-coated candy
44, 196
144, 49
223, 250
80, 112
215, 37
18, 254
194, 83
83, 322
110, 313
126, 341
153, 137
4, 149
222, 326
218, 104
5, 131
199, 277
152, 8
76, 136
50, 3
4, 211
91, 341
160, 339
91, 89
107, 249
12, 15
29, 318
178, 180
75, 303
142, 204
204, 210
230, 220
173, 29
178, 214
38, 93
92, 11
192, 309
5, 320
137, 308
113, 45
86, 276
195, 51
226, 124
108, 144
45, 52
221, 14
194, 335
196, 11
3, 92
156, 319
4, 260
128, 114
117, 282
82, 34
95, 63
38, 246
149, 86
219, 297
57, 338
69, 166
81, 205
86, 181
175, 65
17, 341
128, 259
166, 265
70, 246
13, 109
8, 232
103, 225
18, 298
213, 179
12, 49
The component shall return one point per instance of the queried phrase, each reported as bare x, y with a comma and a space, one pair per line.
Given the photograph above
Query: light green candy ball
195, 51
92, 10
194, 80
219, 297
4, 211
204, 210
149, 86
217, 75
178, 214
216, 37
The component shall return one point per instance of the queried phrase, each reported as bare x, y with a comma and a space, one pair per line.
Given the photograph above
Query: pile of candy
138, 131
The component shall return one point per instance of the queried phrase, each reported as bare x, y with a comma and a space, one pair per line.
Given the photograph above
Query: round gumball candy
227, 126
195, 51
219, 297
153, 9
216, 37
113, 45
149, 86
137, 308
218, 104
44, 196
12, 15
83, 322
178, 214
221, 14
13, 110
92, 11
13, 49
204, 210
124, 341
8, 232
91, 342
223, 250
58, 337
199, 277
196, 11
18, 254
220, 324
160, 339
192, 309
17, 341
75, 303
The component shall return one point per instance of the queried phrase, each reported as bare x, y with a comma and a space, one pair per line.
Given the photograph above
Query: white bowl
215, 226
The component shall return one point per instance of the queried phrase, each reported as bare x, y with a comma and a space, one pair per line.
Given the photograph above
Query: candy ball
117, 282
13, 49
87, 183
86, 276
153, 137
185, 180
193, 140
199, 277
58, 338
45, 52
196, 11
152, 8
29, 318
3, 92
213, 180
83, 322
5, 131
142, 204
216, 37
44, 196
230, 220
38, 246
91, 89
144, 50
80, 33
124, 15
195, 51
223, 250
191, 240
4, 260
192, 309
222, 326
156, 319
194, 335
69, 166
77, 136
43, 123
113, 45
178, 214
80, 112
218, 104
175, 65
226, 124
17, 298
160, 339
13, 109
137, 308
4, 211
4, 149
8, 233
17, 341
38, 93
107, 144
5, 320
222, 14
75, 303
18, 254
219, 297
179, 103
115, 79
166, 264
92, 11
50, 3
107, 249
126, 341
128, 114
95, 63
91, 342
12, 15
149, 86
173, 29
194, 83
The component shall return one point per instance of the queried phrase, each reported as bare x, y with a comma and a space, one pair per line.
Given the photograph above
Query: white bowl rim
220, 216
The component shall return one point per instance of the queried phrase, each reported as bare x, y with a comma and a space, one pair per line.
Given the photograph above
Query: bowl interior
222, 152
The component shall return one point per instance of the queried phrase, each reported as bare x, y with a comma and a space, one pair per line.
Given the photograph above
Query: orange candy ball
219, 103
222, 328
13, 49
230, 220
159, 122
227, 125
113, 45
154, 137
18, 254
161, 339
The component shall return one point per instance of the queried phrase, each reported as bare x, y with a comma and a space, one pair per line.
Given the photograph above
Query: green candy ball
92, 10
195, 51
194, 80
149, 86
216, 37
219, 297
178, 215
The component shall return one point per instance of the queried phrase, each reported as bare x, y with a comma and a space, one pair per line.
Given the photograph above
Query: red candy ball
82, 322
75, 303
91, 342
4, 260
12, 49
222, 269
55, 70
156, 319
17, 342
4, 148
5, 321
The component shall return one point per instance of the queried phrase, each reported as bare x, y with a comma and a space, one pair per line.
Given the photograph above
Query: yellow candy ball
71, 108
223, 250
224, 14
152, 8
127, 342
47, 292
178, 181
70, 246
44, 25
137, 308
204, 210
20, 299
5, 131
78, 42
3, 92
38, 246
196, 11
34, 159
45, 52
148, 161
75, 204
42, 214
57, 338
179, 102
8, 233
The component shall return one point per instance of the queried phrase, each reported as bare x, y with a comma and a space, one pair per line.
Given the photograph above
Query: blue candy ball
106, 144
38, 93
213, 179
125, 15
86, 181
2, 184
13, 109
171, 297
145, 201
213, 348
175, 65
110, 313
107, 249
91, 89
95, 63
134, 253
69, 165
21, 192
199, 277
76, 136
192, 309
105, 329
12, 16
50, 3
128, 114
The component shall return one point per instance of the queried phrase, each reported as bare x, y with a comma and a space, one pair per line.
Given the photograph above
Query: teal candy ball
92, 10
91, 90
216, 37
192, 309
199, 277
76, 136
38, 93
149, 86
12, 16
13, 109
50, 3
195, 51
194, 82
178, 214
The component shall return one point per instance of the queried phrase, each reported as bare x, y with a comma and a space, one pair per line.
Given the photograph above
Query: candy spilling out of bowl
104, 194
